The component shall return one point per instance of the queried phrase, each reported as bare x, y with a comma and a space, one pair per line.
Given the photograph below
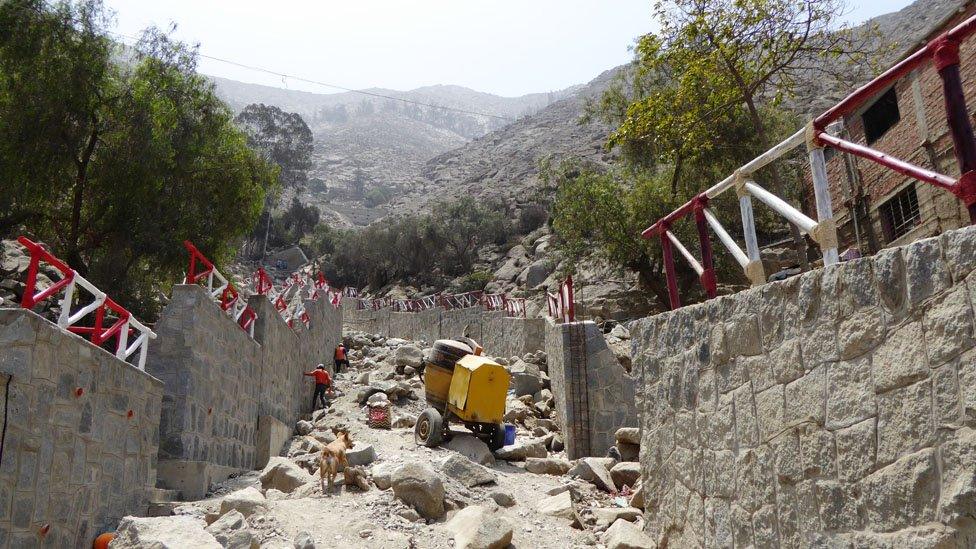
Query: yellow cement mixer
463, 386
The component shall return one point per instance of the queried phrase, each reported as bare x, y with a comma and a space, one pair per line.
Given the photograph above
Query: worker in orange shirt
323, 381
340, 358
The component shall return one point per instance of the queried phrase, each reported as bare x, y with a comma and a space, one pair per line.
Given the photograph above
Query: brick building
875, 207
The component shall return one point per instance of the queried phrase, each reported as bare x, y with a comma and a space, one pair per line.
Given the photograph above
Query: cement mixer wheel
429, 429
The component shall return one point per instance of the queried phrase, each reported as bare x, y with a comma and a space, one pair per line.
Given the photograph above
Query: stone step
162, 495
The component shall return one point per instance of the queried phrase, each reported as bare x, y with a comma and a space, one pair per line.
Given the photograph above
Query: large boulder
629, 435
409, 355
594, 470
467, 472
628, 452
546, 466
623, 534
174, 532
248, 501
522, 450
283, 474
625, 473
418, 486
606, 516
526, 384
475, 527
304, 540
535, 274
304, 427
637, 500
231, 531
471, 447
560, 505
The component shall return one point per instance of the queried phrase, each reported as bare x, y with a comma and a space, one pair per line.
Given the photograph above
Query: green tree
138, 157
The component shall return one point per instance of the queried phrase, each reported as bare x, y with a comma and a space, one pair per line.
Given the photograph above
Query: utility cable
285, 76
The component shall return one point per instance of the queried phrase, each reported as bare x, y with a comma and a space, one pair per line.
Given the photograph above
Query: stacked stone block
498, 334
589, 410
832, 408
219, 381
82, 435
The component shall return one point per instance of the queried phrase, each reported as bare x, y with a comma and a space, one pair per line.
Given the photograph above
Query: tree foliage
417, 249
283, 137
114, 165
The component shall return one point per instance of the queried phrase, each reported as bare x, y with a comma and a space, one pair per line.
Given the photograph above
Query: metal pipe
672, 277
708, 276
825, 213
888, 161
684, 251
749, 227
725, 238
781, 207
761, 161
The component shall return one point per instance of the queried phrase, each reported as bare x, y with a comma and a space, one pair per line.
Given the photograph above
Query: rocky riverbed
400, 494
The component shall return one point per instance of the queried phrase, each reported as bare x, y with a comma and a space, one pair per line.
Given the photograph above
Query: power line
336, 86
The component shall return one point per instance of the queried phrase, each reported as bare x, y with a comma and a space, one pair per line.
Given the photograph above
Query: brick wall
78, 463
498, 334
594, 395
836, 408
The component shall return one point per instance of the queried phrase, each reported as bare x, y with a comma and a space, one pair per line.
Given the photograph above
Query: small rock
175, 532
504, 499
467, 472
475, 527
283, 474
625, 473
630, 435
409, 371
546, 466
248, 501
625, 535
471, 447
609, 515
419, 486
637, 500
404, 422
363, 378
522, 450
594, 470
382, 475
409, 355
560, 505
377, 398
304, 427
303, 540
231, 531
524, 383
620, 332
361, 454
410, 514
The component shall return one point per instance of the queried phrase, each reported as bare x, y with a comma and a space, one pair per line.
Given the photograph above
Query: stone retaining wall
594, 394
76, 461
498, 334
218, 381
835, 408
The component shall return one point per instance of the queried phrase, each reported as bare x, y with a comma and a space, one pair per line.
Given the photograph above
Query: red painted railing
224, 292
944, 52
102, 307
560, 304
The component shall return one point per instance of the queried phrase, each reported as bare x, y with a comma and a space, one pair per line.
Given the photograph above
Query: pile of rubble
396, 493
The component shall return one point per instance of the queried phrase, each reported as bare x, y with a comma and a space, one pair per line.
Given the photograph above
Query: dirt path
373, 519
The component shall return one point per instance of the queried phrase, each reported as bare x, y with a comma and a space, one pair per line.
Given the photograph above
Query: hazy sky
507, 47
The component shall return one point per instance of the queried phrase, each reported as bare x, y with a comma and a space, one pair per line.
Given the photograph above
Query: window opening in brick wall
900, 214
881, 116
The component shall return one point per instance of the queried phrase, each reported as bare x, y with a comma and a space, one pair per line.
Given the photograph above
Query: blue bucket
509, 434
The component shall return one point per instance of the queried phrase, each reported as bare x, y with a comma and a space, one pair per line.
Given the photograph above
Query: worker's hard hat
321, 366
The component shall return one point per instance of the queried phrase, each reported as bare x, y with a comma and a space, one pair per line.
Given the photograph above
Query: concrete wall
594, 394
218, 381
78, 463
498, 334
835, 408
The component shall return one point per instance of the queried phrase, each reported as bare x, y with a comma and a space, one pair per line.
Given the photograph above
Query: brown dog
334, 455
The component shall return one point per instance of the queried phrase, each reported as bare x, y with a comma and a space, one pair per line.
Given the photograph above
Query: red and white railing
221, 290
103, 308
944, 52
515, 307
460, 301
317, 287
560, 304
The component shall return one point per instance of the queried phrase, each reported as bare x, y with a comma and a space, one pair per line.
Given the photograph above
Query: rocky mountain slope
369, 143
